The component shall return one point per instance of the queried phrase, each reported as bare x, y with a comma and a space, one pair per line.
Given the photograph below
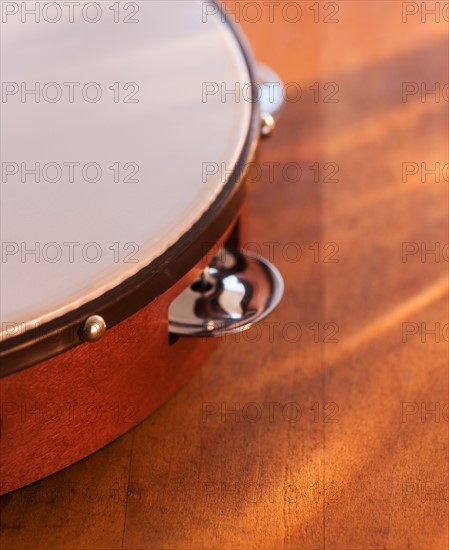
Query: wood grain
66, 408
226, 464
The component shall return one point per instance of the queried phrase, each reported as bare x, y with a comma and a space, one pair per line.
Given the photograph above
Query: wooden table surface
315, 430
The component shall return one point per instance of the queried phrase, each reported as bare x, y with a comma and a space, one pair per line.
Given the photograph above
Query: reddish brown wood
64, 409
370, 480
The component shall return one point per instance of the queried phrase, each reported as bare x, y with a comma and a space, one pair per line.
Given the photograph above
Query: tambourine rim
62, 334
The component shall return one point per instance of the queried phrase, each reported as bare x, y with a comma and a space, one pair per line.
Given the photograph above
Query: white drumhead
152, 124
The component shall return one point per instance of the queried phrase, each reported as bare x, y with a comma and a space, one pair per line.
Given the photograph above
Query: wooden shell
62, 410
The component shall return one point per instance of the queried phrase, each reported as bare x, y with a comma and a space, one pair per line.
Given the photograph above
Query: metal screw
268, 124
93, 329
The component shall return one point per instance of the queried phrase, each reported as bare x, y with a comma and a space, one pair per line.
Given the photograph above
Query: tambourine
126, 138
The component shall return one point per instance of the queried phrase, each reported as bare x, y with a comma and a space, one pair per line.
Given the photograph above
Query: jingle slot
235, 291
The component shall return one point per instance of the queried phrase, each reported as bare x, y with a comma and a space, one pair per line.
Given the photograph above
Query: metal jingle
236, 291
271, 97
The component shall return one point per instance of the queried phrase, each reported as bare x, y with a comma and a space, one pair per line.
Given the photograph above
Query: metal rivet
93, 329
268, 124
